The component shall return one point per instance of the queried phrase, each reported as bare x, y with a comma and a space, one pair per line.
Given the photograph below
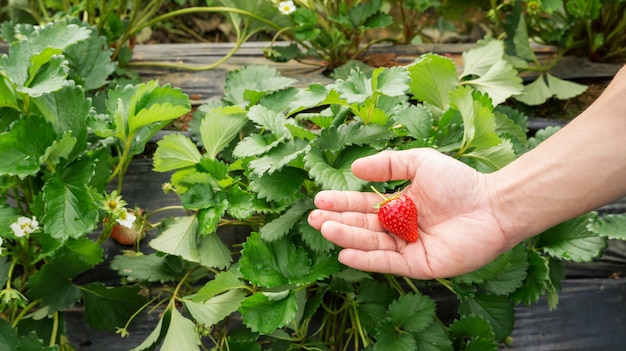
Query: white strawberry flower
286, 7
126, 218
24, 226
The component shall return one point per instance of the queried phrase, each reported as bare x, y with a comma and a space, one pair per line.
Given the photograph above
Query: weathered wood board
208, 84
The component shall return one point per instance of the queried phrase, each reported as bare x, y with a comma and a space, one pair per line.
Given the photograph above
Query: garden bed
599, 281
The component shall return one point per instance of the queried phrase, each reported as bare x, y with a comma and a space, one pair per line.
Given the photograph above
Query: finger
391, 165
347, 201
356, 219
359, 238
388, 262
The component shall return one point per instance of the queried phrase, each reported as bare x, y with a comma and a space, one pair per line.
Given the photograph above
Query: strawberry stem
378, 192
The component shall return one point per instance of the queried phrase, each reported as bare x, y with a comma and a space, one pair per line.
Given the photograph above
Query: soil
565, 110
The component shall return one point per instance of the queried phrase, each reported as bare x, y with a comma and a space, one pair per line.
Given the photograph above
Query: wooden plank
208, 84
205, 85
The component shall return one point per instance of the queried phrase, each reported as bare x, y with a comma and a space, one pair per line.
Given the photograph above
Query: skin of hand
451, 198
467, 218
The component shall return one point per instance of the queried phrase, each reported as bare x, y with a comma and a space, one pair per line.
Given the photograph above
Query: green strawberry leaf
416, 120
47, 73
503, 275
241, 203
52, 36
152, 103
433, 77
279, 227
156, 335
71, 209
478, 119
88, 249
256, 145
52, 283
213, 253
389, 339
7, 93
68, 111
150, 268
10, 340
572, 240
223, 282
200, 196
180, 334
547, 86
486, 70
175, 151
253, 78
279, 157
219, 127
213, 310
179, 238
536, 280
610, 226
480, 59
372, 316
497, 310
535, 93
60, 150
313, 95
23, 159
90, 62
355, 88
338, 138
313, 238
553, 285
269, 120
282, 184
471, 326
278, 263
512, 275
338, 174
433, 338
517, 41
391, 81
473, 329
564, 89
492, 158
109, 307
264, 315
412, 312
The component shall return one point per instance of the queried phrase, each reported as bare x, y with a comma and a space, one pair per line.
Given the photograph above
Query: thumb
391, 165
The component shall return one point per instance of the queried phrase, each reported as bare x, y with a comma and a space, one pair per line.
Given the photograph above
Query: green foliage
255, 159
332, 33
573, 27
60, 152
272, 147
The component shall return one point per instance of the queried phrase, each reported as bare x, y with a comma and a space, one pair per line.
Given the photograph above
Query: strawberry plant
592, 29
121, 22
259, 155
65, 140
255, 160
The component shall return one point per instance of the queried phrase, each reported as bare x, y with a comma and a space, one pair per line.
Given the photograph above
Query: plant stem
446, 283
25, 310
55, 329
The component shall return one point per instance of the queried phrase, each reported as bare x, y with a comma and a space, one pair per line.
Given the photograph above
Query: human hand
458, 230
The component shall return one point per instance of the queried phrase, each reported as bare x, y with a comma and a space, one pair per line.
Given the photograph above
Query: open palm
458, 231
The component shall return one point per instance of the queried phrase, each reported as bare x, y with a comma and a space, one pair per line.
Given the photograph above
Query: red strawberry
398, 215
128, 236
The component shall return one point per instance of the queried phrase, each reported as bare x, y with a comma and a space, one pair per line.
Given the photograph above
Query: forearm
579, 169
